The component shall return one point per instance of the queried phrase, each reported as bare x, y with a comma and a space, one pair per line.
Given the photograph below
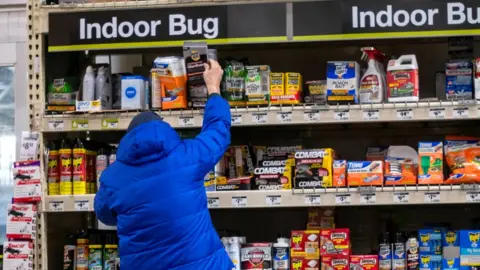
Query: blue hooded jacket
155, 196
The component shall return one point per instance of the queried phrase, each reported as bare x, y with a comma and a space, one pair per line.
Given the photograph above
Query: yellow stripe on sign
411, 34
154, 44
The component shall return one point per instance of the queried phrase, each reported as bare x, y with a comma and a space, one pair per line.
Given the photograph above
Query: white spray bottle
103, 89
88, 89
373, 81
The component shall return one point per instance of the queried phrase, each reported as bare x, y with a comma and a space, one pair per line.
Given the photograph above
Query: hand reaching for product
213, 76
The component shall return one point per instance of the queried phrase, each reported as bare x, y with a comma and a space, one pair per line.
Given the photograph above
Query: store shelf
284, 115
304, 198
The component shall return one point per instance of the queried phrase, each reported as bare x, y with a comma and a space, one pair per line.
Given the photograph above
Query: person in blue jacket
154, 191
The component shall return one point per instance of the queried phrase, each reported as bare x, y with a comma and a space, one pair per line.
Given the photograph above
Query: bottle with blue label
385, 252
281, 252
399, 252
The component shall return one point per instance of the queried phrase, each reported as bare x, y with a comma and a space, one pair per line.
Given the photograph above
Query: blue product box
430, 262
430, 241
459, 80
469, 247
469, 267
451, 239
451, 264
343, 81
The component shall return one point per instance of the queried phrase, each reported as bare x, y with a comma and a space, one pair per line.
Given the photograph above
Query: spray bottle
103, 89
372, 84
88, 86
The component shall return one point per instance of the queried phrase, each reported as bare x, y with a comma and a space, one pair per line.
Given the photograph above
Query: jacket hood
147, 142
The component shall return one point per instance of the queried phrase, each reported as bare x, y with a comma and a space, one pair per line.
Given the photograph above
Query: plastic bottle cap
89, 69
101, 70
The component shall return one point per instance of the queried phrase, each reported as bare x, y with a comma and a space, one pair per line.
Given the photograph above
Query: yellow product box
293, 90
314, 168
277, 84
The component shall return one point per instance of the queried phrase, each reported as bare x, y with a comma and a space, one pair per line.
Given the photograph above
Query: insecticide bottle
69, 253
385, 252
103, 89
113, 155
88, 86
110, 251
399, 254
101, 163
281, 251
402, 79
411, 247
66, 168
82, 251
372, 83
79, 161
53, 172
95, 252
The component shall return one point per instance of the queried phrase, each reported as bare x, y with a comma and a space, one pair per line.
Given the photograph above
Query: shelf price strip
313, 200
213, 202
401, 197
240, 201
432, 197
273, 200
343, 199
56, 206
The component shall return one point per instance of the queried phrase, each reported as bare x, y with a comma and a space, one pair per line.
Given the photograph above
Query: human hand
213, 76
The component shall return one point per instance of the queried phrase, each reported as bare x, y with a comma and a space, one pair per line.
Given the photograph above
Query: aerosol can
385, 252
411, 247
373, 82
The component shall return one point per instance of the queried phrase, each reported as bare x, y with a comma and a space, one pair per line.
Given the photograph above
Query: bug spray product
66, 168
373, 82
281, 254
53, 172
234, 90
79, 161
257, 85
101, 163
69, 253
103, 89
412, 252
385, 252
95, 252
195, 54
82, 251
88, 85
399, 254
110, 251
113, 156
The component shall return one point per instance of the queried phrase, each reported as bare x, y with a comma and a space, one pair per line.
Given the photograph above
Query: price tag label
371, 115
405, 114
213, 202
312, 116
29, 145
259, 118
236, 119
284, 117
368, 198
472, 196
110, 123
186, 121
432, 197
313, 200
81, 205
460, 112
343, 199
56, 206
80, 124
436, 113
273, 200
56, 125
342, 115
401, 197
239, 201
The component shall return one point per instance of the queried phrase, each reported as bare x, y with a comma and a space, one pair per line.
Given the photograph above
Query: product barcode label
342, 115
284, 117
312, 116
80, 124
213, 202
56, 125
432, 197
236, 119
239, 201
460, 112
81, 205
343, 199
436, 113
259, 118
368, 198
186, 121
405, 114
56, 206
371, 115
110, 123
312, 200
273, 200
401, 197
472, 196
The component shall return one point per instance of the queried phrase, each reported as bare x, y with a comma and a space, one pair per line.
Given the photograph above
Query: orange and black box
364, 262
335, 242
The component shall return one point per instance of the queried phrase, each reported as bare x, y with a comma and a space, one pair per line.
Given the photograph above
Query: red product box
364, 262
305, 244
335, 262
335, 242
300, 263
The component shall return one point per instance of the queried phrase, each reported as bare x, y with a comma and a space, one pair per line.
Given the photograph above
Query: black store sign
261, 23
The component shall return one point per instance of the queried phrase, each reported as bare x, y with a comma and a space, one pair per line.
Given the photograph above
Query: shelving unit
298, 36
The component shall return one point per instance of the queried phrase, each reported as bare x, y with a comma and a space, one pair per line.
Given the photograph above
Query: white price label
472, 196
432, 197
56, 125
405, 114
56, 206
371, 115
460, 112
273, 200
236, 119
343, 199
342, 115
239, 201
401, 197
436, 113
81, 205
284, 117
213, 202
368, 198
259, 118
312, 116
110, 123
80, 124
312, 200
186, 121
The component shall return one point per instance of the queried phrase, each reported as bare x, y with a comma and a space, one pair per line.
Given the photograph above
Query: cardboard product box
314, 168
305, 244
430, 262
257, 85
364, 262
451, 244
335, 262
300, 263
335, 242
343, 82
430, 163
451, 264
232, 184
430, 241
293, 89
274, 174
459, 80
469, 247
195, 54
365, 173
339, 173
321, 218
316, 92
239, 161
